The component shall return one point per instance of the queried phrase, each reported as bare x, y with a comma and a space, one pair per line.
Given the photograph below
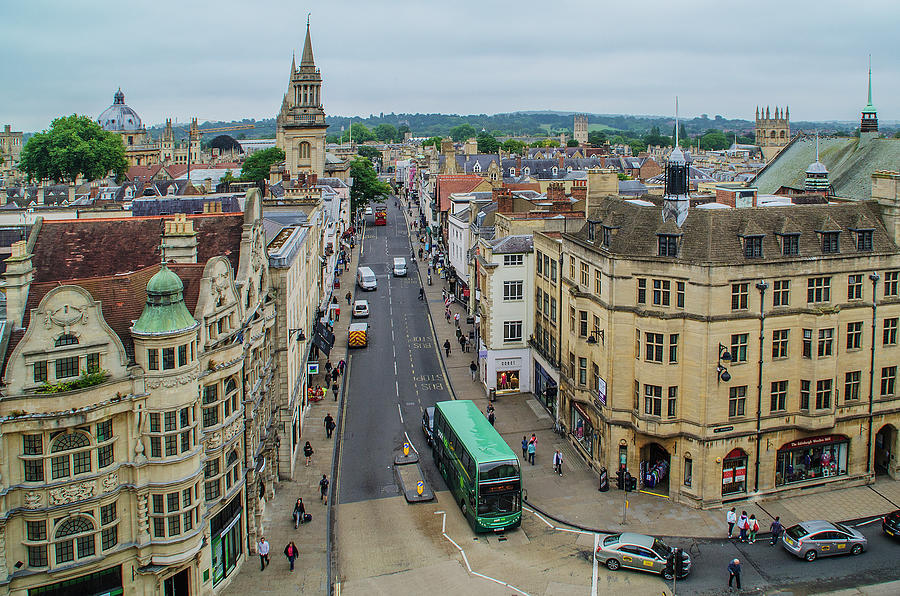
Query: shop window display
734, 472
508, 380
813, 458
582, 429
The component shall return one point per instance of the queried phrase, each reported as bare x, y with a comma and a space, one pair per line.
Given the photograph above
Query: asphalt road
771, 569
392, 379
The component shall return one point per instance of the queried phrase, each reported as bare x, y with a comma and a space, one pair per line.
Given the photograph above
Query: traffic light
679, 559
670, 564
630, 482
620, 478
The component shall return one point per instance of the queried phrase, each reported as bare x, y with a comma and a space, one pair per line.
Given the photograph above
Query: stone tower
580, 129
868, 124
300, 125
772, 133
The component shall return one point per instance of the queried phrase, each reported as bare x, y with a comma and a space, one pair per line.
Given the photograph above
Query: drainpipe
762, 286
874, 277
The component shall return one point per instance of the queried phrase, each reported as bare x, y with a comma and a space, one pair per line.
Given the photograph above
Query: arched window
783, 134
74, 539
477, 167
231, 397
232, 469
67, 339
304, 150
74, 458
554, 170
512, 172
526, 171
772, 135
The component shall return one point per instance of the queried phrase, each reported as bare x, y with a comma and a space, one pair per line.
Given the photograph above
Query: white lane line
408, 440
401, 413
397, 387
395, 367
546, 521
871, 521
594, 566
466, 559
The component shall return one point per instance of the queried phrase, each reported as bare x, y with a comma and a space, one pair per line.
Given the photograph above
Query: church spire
307, 58
676, 201
869, 121
870, 81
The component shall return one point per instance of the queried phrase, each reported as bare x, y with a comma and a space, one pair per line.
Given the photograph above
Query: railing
548, 357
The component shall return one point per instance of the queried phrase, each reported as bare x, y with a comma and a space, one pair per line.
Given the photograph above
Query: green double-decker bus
480, 469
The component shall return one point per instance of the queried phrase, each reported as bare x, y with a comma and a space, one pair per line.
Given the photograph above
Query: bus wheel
465, 509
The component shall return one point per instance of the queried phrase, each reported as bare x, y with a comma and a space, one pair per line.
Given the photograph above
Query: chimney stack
579, 190
17, 280
504, 199
181, 239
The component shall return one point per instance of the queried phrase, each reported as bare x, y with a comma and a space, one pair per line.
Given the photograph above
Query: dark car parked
890, 524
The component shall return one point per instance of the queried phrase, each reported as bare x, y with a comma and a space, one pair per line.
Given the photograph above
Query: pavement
574, 496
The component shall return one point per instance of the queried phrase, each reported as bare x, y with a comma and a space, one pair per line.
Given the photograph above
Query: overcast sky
230, 59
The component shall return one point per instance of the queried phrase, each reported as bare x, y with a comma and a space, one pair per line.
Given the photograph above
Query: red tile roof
448, 184
88, 248
144, 173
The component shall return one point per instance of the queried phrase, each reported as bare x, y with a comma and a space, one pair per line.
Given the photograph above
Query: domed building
121, 118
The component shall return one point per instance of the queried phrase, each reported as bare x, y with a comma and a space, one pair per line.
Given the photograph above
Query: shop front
226, 531
734, 473
506, 371
545, 388
581, 428
106, 582
508, 374
811, 458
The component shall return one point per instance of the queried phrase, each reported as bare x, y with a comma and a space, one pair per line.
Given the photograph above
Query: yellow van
359, 335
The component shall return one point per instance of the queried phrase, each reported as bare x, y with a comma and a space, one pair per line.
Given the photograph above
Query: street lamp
299, 332
594, 336
722, 373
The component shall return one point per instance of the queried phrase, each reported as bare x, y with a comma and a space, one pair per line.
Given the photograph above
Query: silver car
638, 551
813, 539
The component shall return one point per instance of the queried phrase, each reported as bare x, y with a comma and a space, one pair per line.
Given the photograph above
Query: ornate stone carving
213, 440
110, 481
71, 494
33, 500
169, 382
234, 429
65, 316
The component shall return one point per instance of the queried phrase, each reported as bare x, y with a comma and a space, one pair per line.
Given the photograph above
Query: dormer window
831, 242
591, 234
512, 172
753, 247
526, 171
569, 169
864, 240
607, 236
668, 245
554, 170
477, 167
790, 245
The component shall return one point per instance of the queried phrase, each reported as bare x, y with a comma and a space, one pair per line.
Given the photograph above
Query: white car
360, 309
369, 211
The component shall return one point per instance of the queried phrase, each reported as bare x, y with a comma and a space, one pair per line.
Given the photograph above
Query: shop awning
582, 409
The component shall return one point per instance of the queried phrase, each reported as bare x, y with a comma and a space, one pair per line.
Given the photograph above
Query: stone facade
580, 129
749, 352
773, 132
153, 465
10, 150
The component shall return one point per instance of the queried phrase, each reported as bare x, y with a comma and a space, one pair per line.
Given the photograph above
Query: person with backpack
299, 511
743, 526
557, 462
323, 489
532, 447
731, 519
308, 452
524, 447
752, 527
291, 552
776, 528
329, 425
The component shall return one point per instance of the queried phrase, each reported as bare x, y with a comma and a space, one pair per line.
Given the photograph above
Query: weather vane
307, 19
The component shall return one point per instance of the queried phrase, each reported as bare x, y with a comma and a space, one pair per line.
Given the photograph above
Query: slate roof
83, 248
543, 168
850, 166
714, 236
447, 184
516, 243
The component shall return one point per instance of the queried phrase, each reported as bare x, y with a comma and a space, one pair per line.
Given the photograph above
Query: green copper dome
165, 311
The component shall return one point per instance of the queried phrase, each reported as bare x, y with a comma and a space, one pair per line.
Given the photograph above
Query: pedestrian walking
263, 549
341, 365
456, 320
531, 449
776, 528
334, 374
337, 314
743, 526
323, 489
557, 462
291, 552
447, 346
444, 295
329, 425
491, 417
308, 452
524, 447
299, 511
734, 573
473, 368
447, 314
421, 293
752, 528
334, 389
462, 342
349, 297
328, 366
731, 518
534, 439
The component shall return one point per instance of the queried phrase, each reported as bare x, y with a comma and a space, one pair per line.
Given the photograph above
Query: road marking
466, 559
395, 367
561, 529
871, 521
400, 412
594, 566
408, 440
397, 387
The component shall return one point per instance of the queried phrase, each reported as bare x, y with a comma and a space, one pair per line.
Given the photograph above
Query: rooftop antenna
307, 19
870, 79
676, 121
817, 145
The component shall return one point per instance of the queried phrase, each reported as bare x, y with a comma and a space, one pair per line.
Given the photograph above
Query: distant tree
596, 137
571, 143
401, 132
256, 167
513, 146
73, 146
715, 140
654, 138
897, 135
385, 133
336, 139
462, 132
368, 152
623, 176
487, 143
550, 143
436, 141
367, 188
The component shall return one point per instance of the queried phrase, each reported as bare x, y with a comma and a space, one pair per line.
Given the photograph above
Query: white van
399, 267
365, 279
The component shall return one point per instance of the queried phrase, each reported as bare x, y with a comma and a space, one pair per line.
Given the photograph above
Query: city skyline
469, 60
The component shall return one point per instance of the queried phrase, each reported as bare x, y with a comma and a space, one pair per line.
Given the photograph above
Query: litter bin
604, 480
493, 394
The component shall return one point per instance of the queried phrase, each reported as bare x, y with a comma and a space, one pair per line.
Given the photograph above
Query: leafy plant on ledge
87, 379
